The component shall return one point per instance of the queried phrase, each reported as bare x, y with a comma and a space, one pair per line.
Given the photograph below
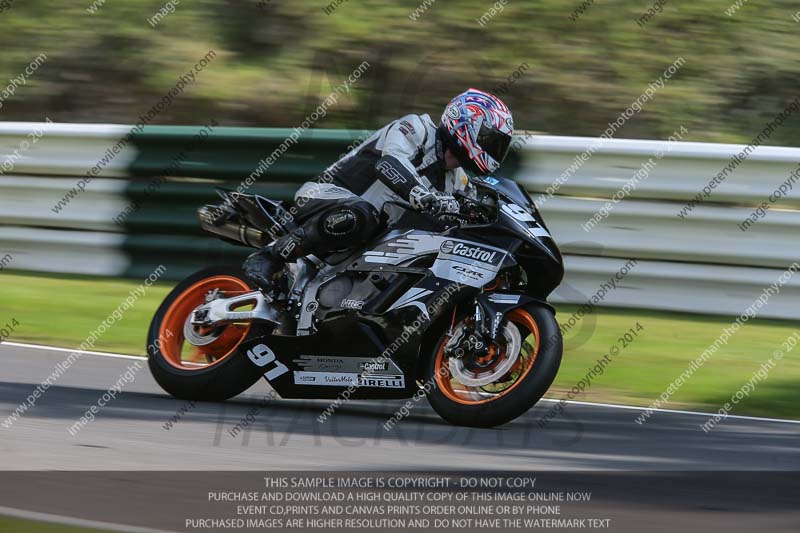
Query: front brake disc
480, 379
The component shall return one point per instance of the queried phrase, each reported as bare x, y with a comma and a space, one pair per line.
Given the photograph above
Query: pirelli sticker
347, 379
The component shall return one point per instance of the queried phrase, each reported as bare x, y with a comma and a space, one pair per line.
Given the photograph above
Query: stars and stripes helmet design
477, 127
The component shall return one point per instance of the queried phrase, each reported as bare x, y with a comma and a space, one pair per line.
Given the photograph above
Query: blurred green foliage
277, 59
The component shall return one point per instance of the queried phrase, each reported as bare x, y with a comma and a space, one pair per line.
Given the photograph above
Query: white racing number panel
525, 220
337, 371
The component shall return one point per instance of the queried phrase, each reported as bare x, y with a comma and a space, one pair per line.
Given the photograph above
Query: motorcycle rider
411, 159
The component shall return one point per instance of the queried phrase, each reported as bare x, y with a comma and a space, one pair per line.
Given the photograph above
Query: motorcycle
455, 307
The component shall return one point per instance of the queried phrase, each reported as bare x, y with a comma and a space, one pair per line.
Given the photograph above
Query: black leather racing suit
340, 210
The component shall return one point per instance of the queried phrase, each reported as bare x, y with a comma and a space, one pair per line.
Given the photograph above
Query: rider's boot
262, 266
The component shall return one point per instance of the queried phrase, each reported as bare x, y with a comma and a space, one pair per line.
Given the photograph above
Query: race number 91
262, 356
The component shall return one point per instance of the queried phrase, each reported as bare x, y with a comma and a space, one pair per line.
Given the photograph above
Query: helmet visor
493, 142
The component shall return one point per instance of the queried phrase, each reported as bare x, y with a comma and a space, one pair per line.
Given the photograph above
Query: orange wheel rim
444, 380
172, 343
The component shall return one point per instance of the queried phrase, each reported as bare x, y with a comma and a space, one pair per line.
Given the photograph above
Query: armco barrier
701, 263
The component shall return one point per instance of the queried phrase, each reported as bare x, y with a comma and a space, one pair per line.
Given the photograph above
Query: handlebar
460, 217
399, 203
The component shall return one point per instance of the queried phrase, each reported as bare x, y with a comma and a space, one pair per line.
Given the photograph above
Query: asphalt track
129, 433
118, 473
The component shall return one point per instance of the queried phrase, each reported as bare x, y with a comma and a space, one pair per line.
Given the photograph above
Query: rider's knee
351, 223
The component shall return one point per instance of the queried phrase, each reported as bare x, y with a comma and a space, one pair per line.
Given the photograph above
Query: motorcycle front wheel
512, 393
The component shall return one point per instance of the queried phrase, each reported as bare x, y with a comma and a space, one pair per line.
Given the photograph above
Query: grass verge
18, 525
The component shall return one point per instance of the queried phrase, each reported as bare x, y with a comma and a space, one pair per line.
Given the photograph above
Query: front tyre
512, 394
214, 370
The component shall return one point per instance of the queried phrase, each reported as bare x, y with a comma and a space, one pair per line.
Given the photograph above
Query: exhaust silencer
216, 221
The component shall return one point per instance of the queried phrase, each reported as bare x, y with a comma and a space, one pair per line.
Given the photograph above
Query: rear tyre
212, 372
501, 402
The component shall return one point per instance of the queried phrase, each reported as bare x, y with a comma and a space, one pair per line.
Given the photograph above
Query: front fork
492, 307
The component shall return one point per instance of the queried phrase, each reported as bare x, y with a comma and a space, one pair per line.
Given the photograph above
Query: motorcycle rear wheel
531, 376
213, 372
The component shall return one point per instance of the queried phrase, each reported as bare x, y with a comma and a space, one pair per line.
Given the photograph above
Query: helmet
477, 127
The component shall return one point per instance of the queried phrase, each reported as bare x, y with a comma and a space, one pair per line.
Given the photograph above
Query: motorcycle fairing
457, 259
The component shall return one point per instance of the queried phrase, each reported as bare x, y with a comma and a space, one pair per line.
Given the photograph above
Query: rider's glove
446, 204
434, 202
